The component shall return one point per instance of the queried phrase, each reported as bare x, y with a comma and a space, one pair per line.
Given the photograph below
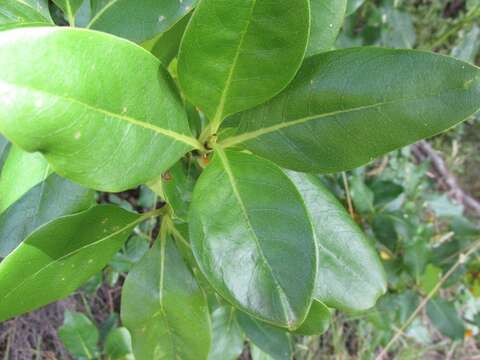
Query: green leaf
350, 276
4, 149
469, 46
251, 237
445, 318
362, 196
225, 62
347, 107
166, 45
398, 30
140, 20
327, 20
24, 11
353, 5
416, 257
21, 172
170, 320
118, 345
101, 128
317, 321
274, 341
258, 354
60, 256
79, 335
47, 201
430, 278
227, 340
69, 8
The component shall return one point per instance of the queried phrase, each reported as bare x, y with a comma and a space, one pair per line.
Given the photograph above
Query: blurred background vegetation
420, 206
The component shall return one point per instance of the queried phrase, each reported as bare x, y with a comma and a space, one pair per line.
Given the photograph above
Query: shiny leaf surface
164, 309
24, 11
48, 200
60, 256
350, 276
273, 341
347, 107
106, 127
225, 62
252, 238
140, 20
227, 340
317, 321
21, 172
327, 19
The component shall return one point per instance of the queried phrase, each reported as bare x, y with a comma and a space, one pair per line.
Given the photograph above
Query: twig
349, 197
422, 151
461, 260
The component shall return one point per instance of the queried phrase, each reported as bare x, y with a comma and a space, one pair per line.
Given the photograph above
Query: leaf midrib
221, 105
74, 252
238, 139
169, 133
233, 183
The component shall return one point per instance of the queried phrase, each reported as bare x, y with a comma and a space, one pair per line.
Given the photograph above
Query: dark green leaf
107, 127
227, 340
47, 201
327, 19
79, 335
274, 341
416, 257
60, 256
164, 309
317, 321
166, 46
225, 62
252, 239
347, 107
350, 276
140, 20
69, 8
4, 149
445, 318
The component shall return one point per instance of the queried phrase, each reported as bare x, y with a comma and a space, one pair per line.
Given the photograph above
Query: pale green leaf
227, 339
95, 120
79, 335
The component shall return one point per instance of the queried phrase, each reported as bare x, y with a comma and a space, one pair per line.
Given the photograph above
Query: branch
424, 151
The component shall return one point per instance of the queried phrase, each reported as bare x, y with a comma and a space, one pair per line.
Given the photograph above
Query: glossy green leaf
60, 256
140, 20
225, 62
445, 318
353, 5
166, 45
274, 341
79, 335
227, 339
350, 276
118, 345
327, 19
317, 321
107, 127
164, 309
347, 107
21, 172
251, 237
69, 7
24, 11
47, 201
